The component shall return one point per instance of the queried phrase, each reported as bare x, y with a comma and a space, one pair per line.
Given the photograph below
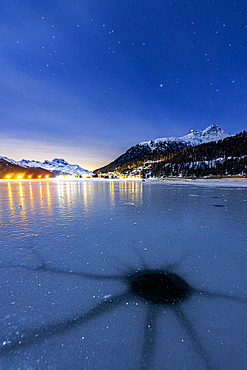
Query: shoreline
224, 182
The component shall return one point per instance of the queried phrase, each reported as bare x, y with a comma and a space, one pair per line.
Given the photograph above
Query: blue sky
85, 80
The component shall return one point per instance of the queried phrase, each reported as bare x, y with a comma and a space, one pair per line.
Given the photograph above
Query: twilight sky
85, 80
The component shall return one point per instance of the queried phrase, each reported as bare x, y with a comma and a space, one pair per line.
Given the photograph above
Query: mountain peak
59, 161
213, 126
210, 129
210, 133
194, 132
213, 129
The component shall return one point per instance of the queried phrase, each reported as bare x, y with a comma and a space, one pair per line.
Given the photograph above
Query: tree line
225, 157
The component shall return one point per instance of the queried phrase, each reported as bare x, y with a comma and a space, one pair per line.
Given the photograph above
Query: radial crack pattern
156, 289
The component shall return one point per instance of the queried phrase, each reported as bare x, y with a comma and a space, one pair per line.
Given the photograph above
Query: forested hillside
225, 157
139, 153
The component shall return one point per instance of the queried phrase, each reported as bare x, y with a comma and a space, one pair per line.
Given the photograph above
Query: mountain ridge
195, 137
25, 168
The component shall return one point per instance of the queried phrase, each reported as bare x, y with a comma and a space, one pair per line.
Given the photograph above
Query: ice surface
67, 249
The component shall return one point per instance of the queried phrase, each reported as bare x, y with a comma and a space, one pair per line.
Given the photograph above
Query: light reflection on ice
83, 228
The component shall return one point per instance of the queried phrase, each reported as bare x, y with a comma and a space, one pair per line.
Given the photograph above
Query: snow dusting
194, 137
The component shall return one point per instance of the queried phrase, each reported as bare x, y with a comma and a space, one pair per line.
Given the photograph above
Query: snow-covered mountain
194, 137
167, 144
57, 165
10, 169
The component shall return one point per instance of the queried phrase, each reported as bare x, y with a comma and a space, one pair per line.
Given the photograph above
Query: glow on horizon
39, 151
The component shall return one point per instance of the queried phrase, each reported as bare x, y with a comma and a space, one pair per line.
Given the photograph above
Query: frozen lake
71, 259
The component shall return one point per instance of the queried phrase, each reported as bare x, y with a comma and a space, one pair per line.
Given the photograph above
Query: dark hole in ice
159, 287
